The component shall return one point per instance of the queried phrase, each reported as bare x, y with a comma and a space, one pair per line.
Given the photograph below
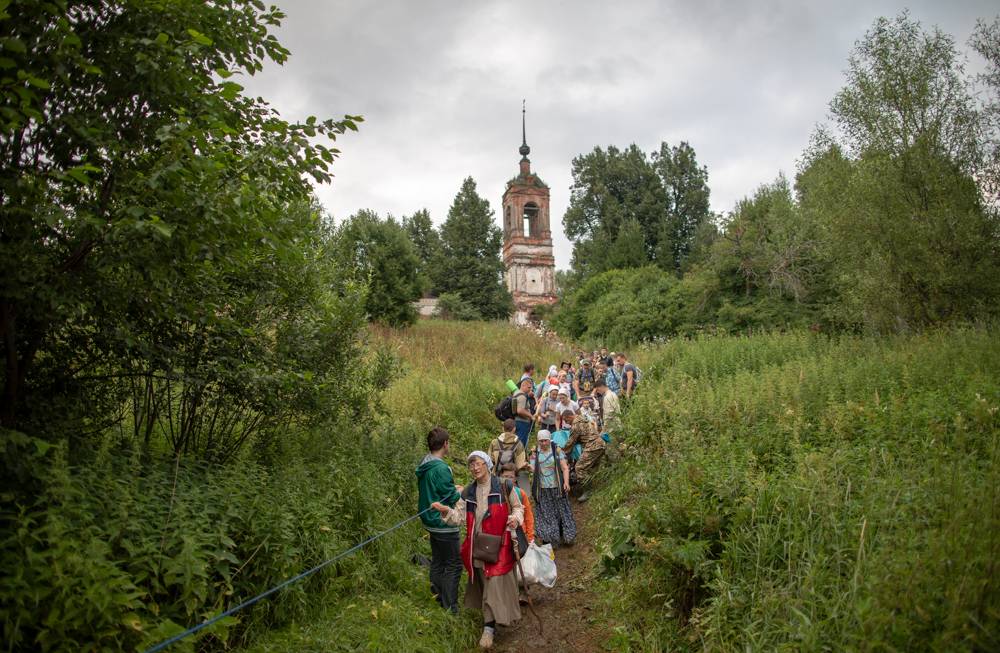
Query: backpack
622, 379
506, 455
529, 405
505, 409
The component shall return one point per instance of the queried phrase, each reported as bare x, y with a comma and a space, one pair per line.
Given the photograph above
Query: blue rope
177, 638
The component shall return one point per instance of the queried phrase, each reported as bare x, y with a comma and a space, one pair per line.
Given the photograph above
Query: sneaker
486, 641
583, 497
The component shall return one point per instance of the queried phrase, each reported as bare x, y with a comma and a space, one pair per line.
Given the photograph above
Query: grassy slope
799, 492
792, 492
455, 376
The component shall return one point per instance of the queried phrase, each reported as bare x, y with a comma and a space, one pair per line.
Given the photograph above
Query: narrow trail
568, 610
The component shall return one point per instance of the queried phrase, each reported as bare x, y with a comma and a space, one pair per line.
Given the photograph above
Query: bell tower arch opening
531, 220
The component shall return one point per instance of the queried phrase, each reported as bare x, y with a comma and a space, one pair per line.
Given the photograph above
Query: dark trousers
523, 431
446, 569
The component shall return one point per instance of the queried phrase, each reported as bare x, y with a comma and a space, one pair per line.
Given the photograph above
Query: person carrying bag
554, 522
489, 507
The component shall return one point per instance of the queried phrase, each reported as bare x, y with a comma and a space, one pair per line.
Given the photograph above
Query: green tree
770, 243
986, 41
610, 188
382, 256
628, 250
614, 191
686, 188
157, 242
565, 281
426, 243
451, 306
469, 262
905, 223
622, 307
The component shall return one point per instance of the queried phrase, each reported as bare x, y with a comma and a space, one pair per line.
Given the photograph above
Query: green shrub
124, 552
451, 306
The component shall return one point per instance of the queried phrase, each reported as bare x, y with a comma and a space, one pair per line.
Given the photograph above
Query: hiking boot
583, 497
486, 641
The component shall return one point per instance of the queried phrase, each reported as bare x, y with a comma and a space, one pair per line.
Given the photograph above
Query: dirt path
568, 609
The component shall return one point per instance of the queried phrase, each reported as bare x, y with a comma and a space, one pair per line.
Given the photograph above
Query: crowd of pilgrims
522, 488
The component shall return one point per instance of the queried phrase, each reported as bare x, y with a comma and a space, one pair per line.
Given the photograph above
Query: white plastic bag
546, 566
539, 565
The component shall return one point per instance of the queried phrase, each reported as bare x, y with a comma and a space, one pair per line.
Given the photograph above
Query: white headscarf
553, 371
484, 456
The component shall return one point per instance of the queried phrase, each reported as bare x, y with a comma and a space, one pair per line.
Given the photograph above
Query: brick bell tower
527, 239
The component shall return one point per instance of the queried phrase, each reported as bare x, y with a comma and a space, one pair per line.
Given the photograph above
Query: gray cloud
440, 86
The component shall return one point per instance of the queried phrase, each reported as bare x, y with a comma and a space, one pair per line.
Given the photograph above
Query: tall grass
456, 374
805, 492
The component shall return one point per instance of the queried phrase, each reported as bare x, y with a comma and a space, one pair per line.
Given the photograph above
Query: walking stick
517, 556
524, 581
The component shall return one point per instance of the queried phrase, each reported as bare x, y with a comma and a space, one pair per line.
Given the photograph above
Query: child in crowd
588, 408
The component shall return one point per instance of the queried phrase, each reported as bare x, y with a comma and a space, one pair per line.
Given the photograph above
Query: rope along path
191, 631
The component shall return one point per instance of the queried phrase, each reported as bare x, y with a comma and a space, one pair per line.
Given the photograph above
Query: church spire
524, 139
524, 149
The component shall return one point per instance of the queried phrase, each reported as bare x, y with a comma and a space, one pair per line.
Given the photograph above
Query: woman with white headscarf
551, 379
492, 587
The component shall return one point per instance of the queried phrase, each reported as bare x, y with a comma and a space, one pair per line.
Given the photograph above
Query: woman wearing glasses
492, 587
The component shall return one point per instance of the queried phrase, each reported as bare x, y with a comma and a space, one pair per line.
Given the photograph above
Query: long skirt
496, 596
554, 517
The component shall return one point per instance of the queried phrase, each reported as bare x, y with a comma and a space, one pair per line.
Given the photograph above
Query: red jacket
494, 523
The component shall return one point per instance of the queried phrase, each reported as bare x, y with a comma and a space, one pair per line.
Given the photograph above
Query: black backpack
505, 409
531, 403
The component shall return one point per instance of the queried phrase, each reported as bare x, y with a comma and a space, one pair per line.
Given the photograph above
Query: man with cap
550, 489
585, 377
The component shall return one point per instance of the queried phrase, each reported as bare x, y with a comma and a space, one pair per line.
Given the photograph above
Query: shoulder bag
486, 547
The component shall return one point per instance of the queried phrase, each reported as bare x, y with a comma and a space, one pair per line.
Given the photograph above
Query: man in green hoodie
435, 482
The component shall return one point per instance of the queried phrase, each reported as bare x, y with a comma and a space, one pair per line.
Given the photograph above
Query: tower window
531, 220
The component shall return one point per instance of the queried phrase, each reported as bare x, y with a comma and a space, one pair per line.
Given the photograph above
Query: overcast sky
440, 85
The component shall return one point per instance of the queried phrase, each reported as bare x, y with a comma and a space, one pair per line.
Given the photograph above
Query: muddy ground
568, 611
